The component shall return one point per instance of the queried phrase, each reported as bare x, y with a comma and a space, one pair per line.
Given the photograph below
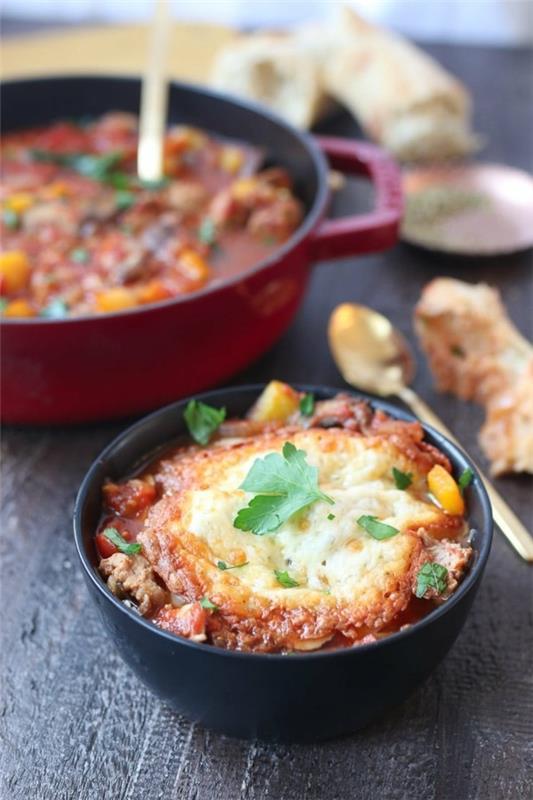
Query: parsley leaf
129, 548
99, 168
331, 516
10, 218
431, 576
465, 479
203, 420
402, 479
376, 529
124, 199
56, 309
285, 579
205, 602
80, 255
207, 232
4, 302
223, 566
285, 484
307, 405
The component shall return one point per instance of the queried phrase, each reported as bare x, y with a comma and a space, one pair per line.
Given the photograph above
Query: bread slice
269, 69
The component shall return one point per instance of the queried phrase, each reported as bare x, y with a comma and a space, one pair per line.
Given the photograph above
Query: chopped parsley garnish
284, 485
402, 479
203, 420
285, 579
99, 168
307, 405
56, 309
80, 255
4, 302
10, 218
431, 576
207, 232
124, 199
129, 548
331, 516
119, 180
465, 479
205, 602
376, 529
223, 566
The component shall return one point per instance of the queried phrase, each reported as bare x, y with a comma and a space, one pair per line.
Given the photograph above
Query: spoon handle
504, 517
154, 95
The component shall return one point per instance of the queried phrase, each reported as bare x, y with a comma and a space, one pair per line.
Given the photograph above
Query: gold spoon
372, 355
154, 98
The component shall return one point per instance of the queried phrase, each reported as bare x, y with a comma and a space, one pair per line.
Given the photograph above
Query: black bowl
303, 697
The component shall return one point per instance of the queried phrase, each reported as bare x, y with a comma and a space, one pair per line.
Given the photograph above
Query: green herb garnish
284, 484
402, 479
223, 566
465, 479
129, 548
124, 199
431, 576
4, 302
56, 309
285, 579
119, 180
205, 602
307, 405
10, 218
99, 168
331, 516
203, 420
376, 529
80, 255
207, 232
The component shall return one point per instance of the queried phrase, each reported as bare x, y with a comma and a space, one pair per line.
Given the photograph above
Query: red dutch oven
103, 367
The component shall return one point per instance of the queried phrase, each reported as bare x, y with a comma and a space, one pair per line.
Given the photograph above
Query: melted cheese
348, 581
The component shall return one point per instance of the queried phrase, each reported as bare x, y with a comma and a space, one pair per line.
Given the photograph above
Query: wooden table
78, 725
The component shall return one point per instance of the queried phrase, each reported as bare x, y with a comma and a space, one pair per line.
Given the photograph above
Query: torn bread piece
476, 352
270, 69
401, 97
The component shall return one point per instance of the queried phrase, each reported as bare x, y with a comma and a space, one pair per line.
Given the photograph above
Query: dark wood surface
76, 723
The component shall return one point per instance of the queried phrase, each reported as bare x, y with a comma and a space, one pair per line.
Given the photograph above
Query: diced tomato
104, 546
129, 499
64, 137
189, 620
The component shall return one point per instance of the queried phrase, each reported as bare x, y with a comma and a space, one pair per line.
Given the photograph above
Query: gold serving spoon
154, 98
372, 355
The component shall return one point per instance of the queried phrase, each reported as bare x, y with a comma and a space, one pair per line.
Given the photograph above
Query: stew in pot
81, 234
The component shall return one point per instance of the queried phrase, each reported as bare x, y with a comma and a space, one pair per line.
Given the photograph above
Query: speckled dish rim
458, 457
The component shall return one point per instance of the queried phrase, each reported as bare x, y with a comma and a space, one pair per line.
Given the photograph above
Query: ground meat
132, 577
188, 620
452, 555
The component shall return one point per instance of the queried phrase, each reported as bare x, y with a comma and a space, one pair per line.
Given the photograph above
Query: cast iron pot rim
449, 448
308, 224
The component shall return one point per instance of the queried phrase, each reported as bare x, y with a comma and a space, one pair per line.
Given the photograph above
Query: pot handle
361, 233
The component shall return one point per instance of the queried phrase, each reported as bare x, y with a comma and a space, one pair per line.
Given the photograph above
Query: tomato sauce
81, 234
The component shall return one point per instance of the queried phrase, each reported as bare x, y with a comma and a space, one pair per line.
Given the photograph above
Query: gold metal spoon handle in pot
504, 517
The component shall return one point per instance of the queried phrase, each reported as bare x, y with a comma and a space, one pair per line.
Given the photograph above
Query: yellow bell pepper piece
276, 403
15, 270
18, 308
118, 298
20, 202
445, 490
